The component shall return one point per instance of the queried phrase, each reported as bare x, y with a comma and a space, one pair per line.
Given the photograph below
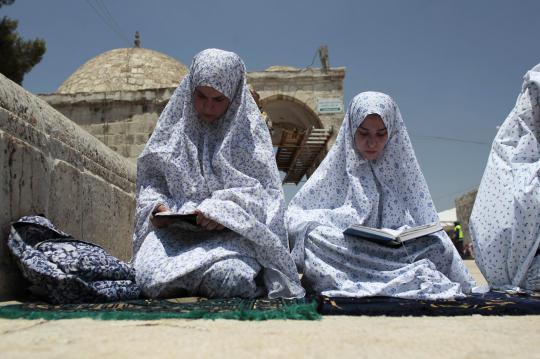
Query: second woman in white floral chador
211, 153
505, 220
371, 177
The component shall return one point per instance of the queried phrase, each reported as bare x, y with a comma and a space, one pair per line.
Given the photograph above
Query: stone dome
127, 69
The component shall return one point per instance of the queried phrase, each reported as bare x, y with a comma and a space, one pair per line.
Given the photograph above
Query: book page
396, 232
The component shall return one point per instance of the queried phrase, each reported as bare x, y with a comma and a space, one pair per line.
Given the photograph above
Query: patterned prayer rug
492, 303
151, 309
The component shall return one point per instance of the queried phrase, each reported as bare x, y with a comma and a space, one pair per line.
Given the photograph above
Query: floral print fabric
389, 192
505, 221
61, 269
226, 170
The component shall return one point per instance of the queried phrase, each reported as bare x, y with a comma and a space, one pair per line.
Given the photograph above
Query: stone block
116, 140
115, 128
141, 138
66, 193
96, 129
105, 220
142, 124
129, 139
134, 151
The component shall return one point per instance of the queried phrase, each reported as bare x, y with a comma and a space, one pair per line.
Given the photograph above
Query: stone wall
50, 165
464, 206
122, 120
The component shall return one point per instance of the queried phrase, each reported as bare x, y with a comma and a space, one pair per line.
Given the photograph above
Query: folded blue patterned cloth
62, 269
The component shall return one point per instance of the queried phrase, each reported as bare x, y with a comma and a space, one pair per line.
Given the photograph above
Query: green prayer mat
151, 309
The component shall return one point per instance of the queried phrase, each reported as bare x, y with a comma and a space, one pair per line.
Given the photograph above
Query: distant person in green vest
458, 238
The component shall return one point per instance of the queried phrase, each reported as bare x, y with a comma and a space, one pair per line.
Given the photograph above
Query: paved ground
359, 337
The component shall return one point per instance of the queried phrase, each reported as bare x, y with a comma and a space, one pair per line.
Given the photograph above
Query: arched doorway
298, 134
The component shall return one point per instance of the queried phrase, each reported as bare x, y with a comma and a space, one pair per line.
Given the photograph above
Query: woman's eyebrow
199, 93
366, 129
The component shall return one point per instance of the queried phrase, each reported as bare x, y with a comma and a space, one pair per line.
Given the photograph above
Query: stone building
305, 111
117, 97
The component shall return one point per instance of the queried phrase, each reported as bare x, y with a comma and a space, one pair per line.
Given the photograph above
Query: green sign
330, 105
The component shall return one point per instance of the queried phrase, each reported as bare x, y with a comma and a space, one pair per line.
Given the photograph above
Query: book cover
176, 220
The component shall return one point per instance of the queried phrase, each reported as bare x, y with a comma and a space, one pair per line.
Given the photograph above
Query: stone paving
340, 337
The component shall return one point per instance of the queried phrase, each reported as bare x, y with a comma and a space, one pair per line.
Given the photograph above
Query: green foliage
17, 55
6, 2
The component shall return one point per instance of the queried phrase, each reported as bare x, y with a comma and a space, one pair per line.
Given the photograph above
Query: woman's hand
207, 223
159, 223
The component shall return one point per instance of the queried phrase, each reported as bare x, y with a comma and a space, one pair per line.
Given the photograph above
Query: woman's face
210, 104
370, 137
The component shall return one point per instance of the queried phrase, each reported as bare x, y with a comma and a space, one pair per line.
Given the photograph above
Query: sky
454, 67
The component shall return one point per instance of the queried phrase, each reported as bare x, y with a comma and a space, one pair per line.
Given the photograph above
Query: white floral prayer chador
505, 221
389, 192
226, 170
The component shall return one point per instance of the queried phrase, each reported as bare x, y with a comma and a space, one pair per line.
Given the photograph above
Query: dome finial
137, 41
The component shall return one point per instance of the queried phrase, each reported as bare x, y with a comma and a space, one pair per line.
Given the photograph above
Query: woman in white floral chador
211, 154
505, 221
371, 177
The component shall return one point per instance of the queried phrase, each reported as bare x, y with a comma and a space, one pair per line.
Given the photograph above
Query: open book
391, 237
182, 221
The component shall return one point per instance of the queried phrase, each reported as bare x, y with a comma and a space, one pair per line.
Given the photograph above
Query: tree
6, 2
18, 56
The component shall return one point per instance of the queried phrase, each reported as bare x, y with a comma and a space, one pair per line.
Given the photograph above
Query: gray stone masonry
122, 120
464, 206
50, 165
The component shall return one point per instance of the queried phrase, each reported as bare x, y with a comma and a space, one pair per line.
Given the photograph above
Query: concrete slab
340, 337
